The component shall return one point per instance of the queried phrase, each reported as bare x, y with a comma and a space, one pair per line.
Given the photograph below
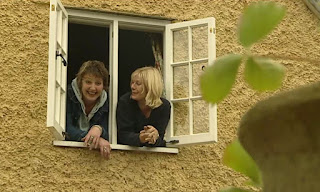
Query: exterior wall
29, 162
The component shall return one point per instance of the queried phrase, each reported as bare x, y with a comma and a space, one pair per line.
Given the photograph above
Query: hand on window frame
91, 140
105, 148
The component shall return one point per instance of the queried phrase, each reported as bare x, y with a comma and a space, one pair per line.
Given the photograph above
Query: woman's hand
143, 136
105, 148
91, 140
151, 133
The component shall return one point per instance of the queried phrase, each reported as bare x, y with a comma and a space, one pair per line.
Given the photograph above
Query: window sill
119, 147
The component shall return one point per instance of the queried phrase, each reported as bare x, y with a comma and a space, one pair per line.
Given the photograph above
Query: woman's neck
145, 109
88, 107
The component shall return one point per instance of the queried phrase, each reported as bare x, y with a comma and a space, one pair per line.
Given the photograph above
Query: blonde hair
152, 85
96, 68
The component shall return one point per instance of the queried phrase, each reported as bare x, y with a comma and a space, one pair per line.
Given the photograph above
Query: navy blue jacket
101, 117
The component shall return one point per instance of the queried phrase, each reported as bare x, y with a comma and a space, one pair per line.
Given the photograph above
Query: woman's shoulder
125, 97
165, 102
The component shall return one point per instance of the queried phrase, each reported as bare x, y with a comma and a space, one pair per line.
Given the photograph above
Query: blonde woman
142, 115
88, 108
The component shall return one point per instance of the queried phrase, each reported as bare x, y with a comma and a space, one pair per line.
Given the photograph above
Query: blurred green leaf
217, 79
234, 189
263, 74
238, 159
258, 20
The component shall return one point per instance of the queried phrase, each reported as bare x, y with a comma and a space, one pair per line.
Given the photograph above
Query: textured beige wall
28, 160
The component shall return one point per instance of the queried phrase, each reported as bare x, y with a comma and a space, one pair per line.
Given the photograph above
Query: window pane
181, 118
57, 104
180, 45
199, 42
197, 69
180, 82
200, 117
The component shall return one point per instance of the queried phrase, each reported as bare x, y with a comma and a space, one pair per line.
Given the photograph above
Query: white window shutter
57, 69
190, 47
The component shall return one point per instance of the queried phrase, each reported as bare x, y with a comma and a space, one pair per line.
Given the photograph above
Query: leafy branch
261, 73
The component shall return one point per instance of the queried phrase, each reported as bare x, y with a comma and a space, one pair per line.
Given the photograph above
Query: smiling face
91, 88
138, 92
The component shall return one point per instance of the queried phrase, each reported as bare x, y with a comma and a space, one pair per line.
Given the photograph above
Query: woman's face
92, 88
137, 89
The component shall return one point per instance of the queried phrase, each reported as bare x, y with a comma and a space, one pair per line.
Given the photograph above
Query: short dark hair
96, 68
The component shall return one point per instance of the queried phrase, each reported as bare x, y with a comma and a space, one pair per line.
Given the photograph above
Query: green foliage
258, 20
217, 80
238, 159
263, 74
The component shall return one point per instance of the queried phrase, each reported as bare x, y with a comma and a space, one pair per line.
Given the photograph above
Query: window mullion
114, 36
190, 80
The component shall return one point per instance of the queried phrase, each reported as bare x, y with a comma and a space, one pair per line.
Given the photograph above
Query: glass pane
197, 69
199, 42
59, 27
180, 82
57, 104
180, 45
64, 38
58, 70
200, 117
181, 118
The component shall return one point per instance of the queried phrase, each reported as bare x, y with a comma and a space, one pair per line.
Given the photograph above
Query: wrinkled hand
105, 148
91, 140
151, 134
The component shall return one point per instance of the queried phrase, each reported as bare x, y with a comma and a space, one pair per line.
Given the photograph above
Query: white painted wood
56, 100
125, 21
190, 79
114, 40
118, 147
211, 136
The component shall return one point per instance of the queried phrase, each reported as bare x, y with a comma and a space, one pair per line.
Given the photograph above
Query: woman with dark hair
87, 107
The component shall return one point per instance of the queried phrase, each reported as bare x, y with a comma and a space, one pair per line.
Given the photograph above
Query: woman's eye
98, 83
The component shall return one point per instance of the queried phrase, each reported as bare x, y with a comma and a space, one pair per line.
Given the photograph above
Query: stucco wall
29, 162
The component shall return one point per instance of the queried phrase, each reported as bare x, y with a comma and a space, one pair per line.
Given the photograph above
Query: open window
57, 70
190, 47
185, 49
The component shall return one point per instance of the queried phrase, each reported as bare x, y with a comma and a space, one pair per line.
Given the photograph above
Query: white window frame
57, 85
191, 138
114, 22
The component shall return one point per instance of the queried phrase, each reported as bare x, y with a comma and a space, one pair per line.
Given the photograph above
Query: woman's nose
92, 87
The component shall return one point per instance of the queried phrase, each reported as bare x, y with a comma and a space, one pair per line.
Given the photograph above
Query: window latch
65, 134
65, 63
173, 141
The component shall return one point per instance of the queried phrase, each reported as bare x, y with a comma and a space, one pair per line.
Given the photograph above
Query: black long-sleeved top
131, 120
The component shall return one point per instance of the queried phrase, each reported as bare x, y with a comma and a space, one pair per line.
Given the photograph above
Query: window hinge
65, 134
65, 63
53, 7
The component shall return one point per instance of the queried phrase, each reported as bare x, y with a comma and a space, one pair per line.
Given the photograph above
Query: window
188, 47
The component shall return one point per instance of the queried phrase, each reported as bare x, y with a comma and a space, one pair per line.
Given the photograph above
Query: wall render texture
29, 162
